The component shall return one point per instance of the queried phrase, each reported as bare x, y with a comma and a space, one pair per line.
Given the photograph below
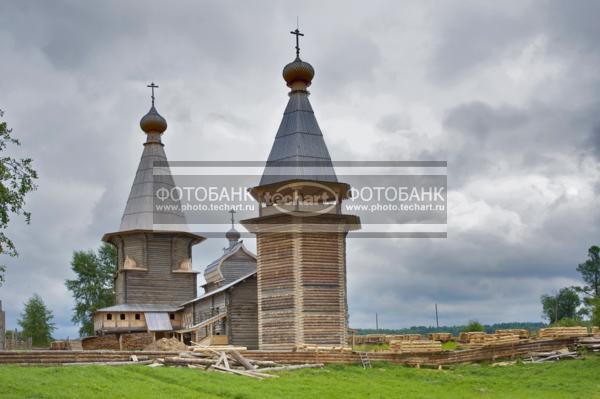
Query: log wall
301, 289
156, 275
242, 314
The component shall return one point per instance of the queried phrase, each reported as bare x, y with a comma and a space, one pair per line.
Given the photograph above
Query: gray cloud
506, 93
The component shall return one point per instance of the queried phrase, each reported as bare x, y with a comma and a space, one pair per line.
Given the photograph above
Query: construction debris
227, 359
591, 344
540, 357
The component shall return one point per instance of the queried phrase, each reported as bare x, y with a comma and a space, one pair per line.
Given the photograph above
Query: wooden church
292, 292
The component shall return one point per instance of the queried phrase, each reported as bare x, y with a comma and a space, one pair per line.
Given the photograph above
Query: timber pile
166, 344
370, 339
595, 330
136, 341
227, 360
440, 336
321, 348
101, 342
416, 346
521, 332
563, 332
552, 356
403, 337
60, 346
589, 343
466, 337
50, 357
493, 339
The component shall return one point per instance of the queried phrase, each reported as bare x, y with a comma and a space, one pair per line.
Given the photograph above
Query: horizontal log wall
288, 357
158, 256
242, 314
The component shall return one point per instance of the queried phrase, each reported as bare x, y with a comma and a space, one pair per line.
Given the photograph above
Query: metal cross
298, 34
152, 86
232, 212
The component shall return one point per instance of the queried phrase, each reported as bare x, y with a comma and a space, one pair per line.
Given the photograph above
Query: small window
122, 316
109, 316
172, 316
137, 316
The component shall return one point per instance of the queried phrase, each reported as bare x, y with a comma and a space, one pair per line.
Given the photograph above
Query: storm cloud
508, 93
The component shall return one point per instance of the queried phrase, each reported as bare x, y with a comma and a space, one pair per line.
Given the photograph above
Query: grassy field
565, 379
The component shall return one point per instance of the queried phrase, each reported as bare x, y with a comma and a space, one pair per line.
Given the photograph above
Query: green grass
449, 346
564, 379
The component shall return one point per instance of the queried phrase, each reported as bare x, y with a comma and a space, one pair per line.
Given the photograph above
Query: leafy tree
590, 273
36, 322
474, 326
568, 322
561, 306
16, 180
93, 288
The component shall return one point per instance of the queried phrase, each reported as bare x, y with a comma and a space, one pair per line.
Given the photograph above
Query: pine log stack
521, 332
416, 346
467, 337
590, 343
322, 348
595, 330
440, 336
563, 332
403, 337
494, 339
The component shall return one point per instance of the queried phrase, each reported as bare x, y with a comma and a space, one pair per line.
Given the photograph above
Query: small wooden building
227, 313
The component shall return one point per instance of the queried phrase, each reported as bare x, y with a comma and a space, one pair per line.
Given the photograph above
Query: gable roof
221, 289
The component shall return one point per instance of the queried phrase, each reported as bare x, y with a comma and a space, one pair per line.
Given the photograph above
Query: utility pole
437, 321
376, 322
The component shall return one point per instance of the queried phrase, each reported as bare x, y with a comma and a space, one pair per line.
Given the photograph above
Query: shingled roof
299, 150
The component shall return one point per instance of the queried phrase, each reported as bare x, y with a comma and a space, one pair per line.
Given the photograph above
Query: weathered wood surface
555, 332
289, 357
301, 289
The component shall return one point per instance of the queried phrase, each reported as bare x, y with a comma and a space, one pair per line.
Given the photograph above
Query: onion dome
152, 122
233, 235
298, 71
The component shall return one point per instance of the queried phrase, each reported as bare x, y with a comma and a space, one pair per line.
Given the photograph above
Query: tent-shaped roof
299, 150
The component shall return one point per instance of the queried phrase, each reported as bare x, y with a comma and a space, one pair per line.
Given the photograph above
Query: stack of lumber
60, 345
440, 336
369, 339
104, 342
595, 330
589, 343
494, 339
466, 337
416, 346
561, 332
521, 332
322, 348
403, 337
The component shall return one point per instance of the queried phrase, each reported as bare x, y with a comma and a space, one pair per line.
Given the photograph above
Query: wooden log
241, 360
246, 373
292, 367
185, 361
108, 363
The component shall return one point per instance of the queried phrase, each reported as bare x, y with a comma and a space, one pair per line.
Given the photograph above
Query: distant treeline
451, 329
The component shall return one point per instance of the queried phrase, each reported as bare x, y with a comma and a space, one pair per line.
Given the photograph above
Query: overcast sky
507, 92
